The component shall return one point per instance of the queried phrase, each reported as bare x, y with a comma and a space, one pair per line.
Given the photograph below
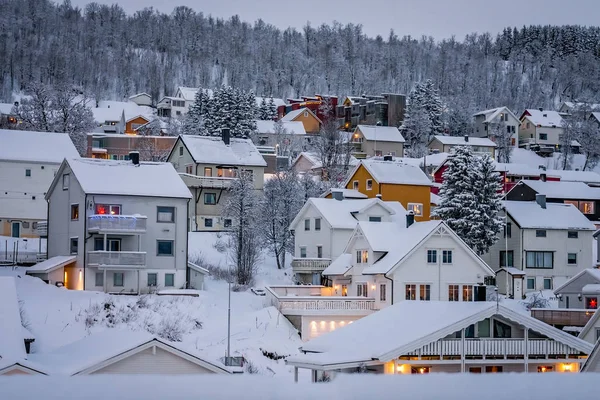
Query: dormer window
374, 219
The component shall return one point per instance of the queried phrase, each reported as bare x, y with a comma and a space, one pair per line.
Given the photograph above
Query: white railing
126, 259
313, 303
494, 347
340, 303
117, 223
310, 264
206, 181
42, 228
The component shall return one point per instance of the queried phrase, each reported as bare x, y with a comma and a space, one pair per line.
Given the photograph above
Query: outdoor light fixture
579, 296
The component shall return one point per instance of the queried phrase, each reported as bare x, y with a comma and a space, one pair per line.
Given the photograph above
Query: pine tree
416, 129
194, 119
262, 110
272, 109
430, 100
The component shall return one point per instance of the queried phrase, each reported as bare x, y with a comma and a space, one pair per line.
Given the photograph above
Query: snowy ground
58, 316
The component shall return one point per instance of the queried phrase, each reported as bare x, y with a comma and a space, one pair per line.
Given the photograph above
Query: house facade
286, 138
393, 181
489, 120
373, 140
312, 123
581, 292
208, 165
445, 144
540, 130
127, 236
117, 147
27, 168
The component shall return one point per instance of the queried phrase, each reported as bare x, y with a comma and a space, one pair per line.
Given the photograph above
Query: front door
518, 286
16, 229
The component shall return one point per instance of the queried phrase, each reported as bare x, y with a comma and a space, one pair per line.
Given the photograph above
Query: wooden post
296, 374
462, 350
526, 350
104, 281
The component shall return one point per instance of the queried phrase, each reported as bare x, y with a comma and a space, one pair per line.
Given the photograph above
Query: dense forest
112, 55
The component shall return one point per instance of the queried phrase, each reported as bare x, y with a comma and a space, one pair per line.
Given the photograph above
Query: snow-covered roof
381, 133
347, 193
291, 127
50, 264
529, 215
563, 190
295, 113
212, 150
394, 172
43, 147
6, 108
276, 100
151, 179
591, 106
339, 266
594, 273
377, 337
575, 176
591, 288
109, 110
101, 115
12, 346
545, 118
187, 93
519, 169
313, 158
512, 271
460, 141
434, 199
139, 95
493, 113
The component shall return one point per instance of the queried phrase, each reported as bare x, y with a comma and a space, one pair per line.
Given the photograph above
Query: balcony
310, 265
562, 316
316, 300
117, 259
123, 224
194, 181
42, 228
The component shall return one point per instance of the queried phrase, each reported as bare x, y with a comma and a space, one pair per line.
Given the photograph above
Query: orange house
312, 123
394, 181
133, 123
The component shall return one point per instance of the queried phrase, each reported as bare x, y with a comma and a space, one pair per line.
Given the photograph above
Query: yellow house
394, 181
312, 123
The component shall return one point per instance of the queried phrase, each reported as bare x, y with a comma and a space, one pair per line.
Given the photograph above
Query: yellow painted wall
392, 192
311, 123
74, 279
138, 120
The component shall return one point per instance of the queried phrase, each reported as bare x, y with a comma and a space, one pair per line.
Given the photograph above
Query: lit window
447, 257
207, 171
416, 208
586, 207
74, 212
169, 280
165, 214
108, 209
425, 292
152, 279
545, 368
164, 247
467, 292
411, 292
420, 370
362, 256
453, 293
431, 256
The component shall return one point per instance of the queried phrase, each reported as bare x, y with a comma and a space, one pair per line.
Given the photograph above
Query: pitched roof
50, 264
276, 100
394, 172
295, 113
493, 113
348, 193
563, 190
377, 337
12, 346
313, 158
139, 95
291, 127
381, 133
129, 108
339, 266
545, 118
212, 150
6, 108
575, 176
593, 272
188, 93
592, 323
113, 177
44, 147
460, 141
529, 215
592, 360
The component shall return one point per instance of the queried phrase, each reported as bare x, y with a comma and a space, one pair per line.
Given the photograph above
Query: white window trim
366, 285
367, 184
451, 256
355, 185
427, 256
305, 252
419, 205
384, 286
307, 219
576, 259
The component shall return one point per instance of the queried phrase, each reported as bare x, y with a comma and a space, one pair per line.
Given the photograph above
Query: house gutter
392, 289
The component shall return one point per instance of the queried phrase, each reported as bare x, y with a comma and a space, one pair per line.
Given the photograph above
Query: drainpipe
391, 290
85, 239
187, 236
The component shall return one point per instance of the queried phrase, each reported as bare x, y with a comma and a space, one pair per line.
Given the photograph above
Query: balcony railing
563, 316
536, 348
117, 223
118, 259
206, 181
310, 265
42, 228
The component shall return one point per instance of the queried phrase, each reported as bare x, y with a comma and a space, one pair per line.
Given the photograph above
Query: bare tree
333, 147
500, 134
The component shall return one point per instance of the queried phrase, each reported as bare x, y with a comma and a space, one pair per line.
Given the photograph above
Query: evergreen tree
430, 101
194, 119
271, 109
262, 113
416, 130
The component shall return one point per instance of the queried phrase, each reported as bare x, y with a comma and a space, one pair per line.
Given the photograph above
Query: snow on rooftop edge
34, 146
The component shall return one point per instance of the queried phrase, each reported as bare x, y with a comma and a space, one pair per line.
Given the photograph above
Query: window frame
410, 292
155, 278
547, 279
355, 185
543, 136
572, 235
306, 224
416, 208
425, 292
569, 261
208, 196
510, 256
508, 230
65, 181
540, 233
382, 292
532, 280
122, 275
303, 250
447, 257
227, 223
469, 291
159, 254
208, 223
317, 224
180, 151
362, 289
74, 244
535, 258
169, 209
172, 277
209, 170
109, 208
101, 275
362, 256
319, 251
28, 172
369, 185
75, 212
433, 253
453, 292
374, 219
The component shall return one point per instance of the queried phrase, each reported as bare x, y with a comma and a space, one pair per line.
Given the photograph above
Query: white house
373, 140
444, 144
124, 221
414, 337
488, 120
582, 291
208, 165
288, 138
28, 163
323, 227
549, 242
541, 129
310, 163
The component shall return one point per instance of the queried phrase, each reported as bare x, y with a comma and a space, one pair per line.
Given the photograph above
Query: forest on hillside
112, 55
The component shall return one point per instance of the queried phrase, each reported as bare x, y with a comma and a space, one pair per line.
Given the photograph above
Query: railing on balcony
206, 181
120, 259
42, 228
117, 223
310, 264
563, 316
494, 348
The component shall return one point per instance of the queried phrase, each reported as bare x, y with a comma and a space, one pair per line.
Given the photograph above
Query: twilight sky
437, 18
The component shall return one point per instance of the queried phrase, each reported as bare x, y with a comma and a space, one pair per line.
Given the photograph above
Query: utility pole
228, 356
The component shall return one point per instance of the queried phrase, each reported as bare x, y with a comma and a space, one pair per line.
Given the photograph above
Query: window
597, 334
572, 234
74, 245
411, 292
25, 224
169, 280
540, 233
431, 256
362, 256
189, 169
586, 207
453, 293
152, 279
118, 279
543, 136
180, 150
361, 290
27, 172
528, 125
369, 184
545, 368
420, 370
317, 224
530, 283
305, 114
227, 223
467, 292
319, 251
572, 259
591, 303
307, 224
355, 185
508, 230
548, 283
210, 198
378, 153
344, 290
447, 257
382, 292
425, 293
416, 208
108, 209
65, 181
494, 369
506, 258
508, 129
165, 214
208, 222
374, 219
164, 247
99, 279
302, 252
540, 259
226, 172
207, 171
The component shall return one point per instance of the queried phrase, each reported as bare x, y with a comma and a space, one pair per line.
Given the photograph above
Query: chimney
225, 135
541, 109
378, 195
410, 218
543, 177
541, 200
134, 156
337, 195
466, 138
388, 157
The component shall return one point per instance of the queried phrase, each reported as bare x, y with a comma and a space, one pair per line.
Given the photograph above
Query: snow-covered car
258, 292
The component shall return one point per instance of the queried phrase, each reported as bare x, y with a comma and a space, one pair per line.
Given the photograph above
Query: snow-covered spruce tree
243, 238
193, 122
271, 109
430, 100
416, 129
502, 137
262, 113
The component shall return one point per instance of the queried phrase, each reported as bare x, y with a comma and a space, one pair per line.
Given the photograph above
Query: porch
308, 270
120, 224
562, 316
